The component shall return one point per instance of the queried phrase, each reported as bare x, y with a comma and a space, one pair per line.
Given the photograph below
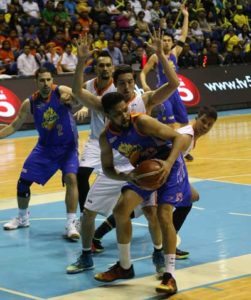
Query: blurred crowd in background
42, 32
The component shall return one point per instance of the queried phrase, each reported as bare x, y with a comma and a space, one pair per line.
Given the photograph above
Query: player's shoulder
188, 129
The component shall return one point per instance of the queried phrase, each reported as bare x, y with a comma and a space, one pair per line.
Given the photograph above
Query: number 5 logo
9, 105
189, 93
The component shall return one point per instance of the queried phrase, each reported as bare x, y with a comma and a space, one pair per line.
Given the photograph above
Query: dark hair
122, 69
42, 70
209, 111
109, 100
102, 53
166, 33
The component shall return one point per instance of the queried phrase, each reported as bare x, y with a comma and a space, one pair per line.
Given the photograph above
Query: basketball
147, 173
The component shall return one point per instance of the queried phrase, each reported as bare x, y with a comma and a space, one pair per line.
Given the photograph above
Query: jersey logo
50, 117
130, 151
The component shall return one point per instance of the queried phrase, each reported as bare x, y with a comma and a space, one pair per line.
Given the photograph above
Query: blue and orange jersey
135, 146
53, 119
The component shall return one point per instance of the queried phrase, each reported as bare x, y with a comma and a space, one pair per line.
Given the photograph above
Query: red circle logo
9, 105
189, 93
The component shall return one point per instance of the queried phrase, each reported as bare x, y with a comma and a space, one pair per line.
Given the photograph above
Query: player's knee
150, 213
88, 214
195, 196
23, 188
70, 179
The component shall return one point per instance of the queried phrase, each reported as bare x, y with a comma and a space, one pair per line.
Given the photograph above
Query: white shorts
104, 194
91, 155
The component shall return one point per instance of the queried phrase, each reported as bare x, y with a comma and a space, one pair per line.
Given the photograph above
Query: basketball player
90, 159
202, 124
139, 137
57, 148
104, 193
172, 110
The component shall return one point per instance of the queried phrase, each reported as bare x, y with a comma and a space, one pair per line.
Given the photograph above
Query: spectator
109, 29
235, 57
31, 9
7, 58
210, 57
239, 18
14, 41
95, 30
145, 5
26, 63
101, 43
83, 6
222, 20
99, 13
156, 14
49, 12
142, 25
85, 21
205, 27
31, 34
77, 30
230, 39
43, 32
62, 13
16, 23
69, 60
53, 57
136, 6
187, 58
4, 5
244, 36
196, 36
115, 53
128, 56
70, 7
138, 39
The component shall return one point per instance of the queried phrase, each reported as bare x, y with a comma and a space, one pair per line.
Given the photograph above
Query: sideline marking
20, 294
239, 214
188, 278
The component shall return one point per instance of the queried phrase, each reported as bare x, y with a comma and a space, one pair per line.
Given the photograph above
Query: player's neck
102, 83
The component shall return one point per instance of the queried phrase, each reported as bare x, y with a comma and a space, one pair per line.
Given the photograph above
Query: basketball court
216, 233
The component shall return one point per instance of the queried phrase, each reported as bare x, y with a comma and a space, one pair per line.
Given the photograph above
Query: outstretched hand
157, 41
83, 45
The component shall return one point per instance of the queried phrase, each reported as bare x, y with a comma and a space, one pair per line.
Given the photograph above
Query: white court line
187, 278
197, 207
224, 159
239, 214
20, 294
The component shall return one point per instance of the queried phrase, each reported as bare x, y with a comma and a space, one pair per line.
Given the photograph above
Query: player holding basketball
138, 138
103, 194
57, 148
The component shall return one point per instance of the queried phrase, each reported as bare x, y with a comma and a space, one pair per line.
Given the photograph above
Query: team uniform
91, 154
104, 192
57, 146
176, 190
171, 110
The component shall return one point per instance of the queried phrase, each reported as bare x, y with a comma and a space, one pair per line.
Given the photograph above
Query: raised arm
184, 31
159, 95
152, 61
83, 96
19, 120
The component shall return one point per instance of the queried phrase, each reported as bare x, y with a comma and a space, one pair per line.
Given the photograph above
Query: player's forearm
177, 148
78, 77
169, 72
6, 131
142, 77
115, 175
184, 29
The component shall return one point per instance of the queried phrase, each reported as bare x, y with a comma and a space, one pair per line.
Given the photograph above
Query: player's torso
97, 118
53, 119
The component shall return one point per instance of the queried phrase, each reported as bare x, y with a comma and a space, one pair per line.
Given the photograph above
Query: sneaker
71, 231
189, 157
78, 225
83, 263
18, 222
167, 285
181, 254
114, 273
159, 262
97, 246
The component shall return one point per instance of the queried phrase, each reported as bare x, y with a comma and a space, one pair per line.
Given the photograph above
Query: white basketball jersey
97, 118
188, 129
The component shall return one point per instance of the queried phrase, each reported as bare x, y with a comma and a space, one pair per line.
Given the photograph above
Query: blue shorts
173, 110
176, 191
43, 162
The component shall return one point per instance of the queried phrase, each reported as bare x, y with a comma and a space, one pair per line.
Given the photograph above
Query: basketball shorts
176, 191
43, 162
172, 110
